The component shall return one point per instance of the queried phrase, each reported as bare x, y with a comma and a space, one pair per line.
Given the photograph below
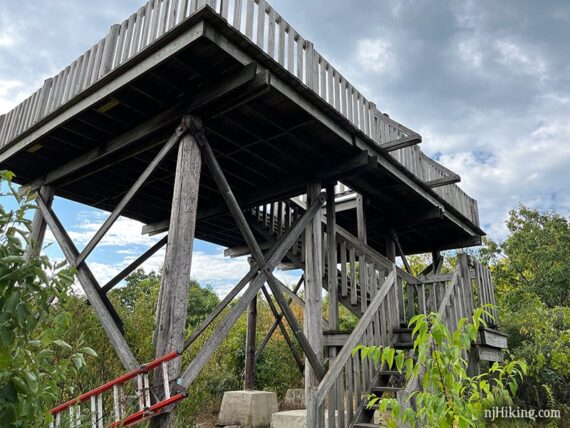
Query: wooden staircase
384, 298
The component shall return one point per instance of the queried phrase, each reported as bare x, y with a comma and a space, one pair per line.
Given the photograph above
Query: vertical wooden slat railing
456, 296
271, 32
349, 377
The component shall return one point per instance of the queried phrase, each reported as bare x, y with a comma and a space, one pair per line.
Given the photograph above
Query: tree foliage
448, 396
37, 367
531, 272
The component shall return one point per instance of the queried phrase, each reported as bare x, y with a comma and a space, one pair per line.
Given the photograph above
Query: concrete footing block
248, 409
297, 419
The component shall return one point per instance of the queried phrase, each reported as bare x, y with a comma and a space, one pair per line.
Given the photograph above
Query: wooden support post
90, 288
332, 286
437, 261
362, 237
332, 274
313, 289
256, 252
249, 379
276, 255
173, 297
39, 224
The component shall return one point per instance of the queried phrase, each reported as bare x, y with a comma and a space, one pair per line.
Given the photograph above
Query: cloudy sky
486, 83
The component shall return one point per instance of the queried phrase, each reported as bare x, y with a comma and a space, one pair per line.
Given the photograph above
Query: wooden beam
280, 249
174, 41
173, 297
443, 181
134, 265
279, 319
267, 337
249, 377
212, 93
313, 289
292, 185
89, 288
135, 188
39, 224
220, 307
401, 251
332, 271
257, 254
400, 143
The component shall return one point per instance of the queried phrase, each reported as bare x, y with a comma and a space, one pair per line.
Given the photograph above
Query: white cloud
375, 55
124, 243
519, 59
470, 52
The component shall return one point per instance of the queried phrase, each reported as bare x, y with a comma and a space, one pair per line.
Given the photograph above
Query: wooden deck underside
271, 135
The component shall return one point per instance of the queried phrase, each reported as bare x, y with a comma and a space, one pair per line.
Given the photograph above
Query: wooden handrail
273, 34
340, 361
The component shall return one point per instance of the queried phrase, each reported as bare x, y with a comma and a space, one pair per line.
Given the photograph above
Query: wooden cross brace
196, 128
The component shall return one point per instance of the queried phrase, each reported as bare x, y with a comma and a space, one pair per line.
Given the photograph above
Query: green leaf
88, 351
62, 344
399, 361
389, 353
7, 336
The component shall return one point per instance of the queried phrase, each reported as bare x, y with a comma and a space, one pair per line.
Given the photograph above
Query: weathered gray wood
85, 279
360, 329
401, 143
220, 307
39, 225
313, 288
334, 339
343, 269
352, 264
134, 265
173, 297
279, 318
249, 378
493, 338
221, 331
102, 92
252, 243
487, 353
200, 99
109, 221
267, 337
362, 237
108, 51
332, 259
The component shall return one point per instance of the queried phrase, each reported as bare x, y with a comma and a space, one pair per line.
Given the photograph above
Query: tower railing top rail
258, 21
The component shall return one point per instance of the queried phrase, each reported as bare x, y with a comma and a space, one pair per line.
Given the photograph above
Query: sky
486, 84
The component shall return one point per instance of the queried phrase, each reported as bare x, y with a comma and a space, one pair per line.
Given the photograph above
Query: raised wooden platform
275, 125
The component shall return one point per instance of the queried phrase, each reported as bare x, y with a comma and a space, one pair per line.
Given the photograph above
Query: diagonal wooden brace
198, 131
89, 286
170, 144
277, 254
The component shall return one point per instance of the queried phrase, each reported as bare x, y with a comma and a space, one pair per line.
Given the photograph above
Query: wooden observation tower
217, 120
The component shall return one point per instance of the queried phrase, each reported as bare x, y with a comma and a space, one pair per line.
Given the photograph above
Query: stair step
404, 345
391, 372
386, 389
365, 425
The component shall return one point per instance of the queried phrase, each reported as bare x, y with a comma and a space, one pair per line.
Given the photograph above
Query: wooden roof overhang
271, 133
